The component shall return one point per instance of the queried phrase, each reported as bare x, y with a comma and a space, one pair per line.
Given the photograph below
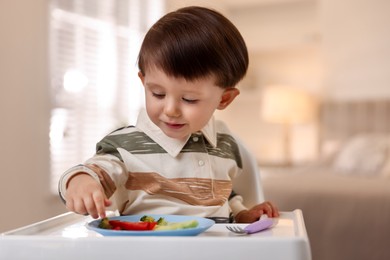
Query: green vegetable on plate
147, 218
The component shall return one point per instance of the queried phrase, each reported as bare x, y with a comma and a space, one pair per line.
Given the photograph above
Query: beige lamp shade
287, 105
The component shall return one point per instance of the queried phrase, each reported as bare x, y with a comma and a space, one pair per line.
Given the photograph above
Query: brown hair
195, 42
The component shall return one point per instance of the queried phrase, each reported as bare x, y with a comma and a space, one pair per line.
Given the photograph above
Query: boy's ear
141, 76
227, 97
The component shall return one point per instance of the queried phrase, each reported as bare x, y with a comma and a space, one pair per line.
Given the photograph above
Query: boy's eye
158, 95
191, 101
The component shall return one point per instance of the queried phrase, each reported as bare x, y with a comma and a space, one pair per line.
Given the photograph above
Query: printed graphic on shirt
139, 143
194, 191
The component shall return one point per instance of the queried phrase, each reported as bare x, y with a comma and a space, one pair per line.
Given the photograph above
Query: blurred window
94, 84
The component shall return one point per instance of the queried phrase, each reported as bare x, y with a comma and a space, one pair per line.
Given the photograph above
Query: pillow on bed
363, 155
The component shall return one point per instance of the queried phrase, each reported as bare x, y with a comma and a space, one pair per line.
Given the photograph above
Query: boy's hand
85, 195
253, 214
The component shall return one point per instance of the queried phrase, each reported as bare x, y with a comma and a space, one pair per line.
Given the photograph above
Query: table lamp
287, 106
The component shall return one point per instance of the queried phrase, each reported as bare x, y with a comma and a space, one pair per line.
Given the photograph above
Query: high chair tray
66, 237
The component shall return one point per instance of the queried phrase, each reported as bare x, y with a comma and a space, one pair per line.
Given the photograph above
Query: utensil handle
259, 225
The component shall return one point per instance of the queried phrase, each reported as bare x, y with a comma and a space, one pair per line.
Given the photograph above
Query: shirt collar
170, 145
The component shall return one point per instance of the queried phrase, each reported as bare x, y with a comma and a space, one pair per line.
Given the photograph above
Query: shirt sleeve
236, 203
106, 169
67, 175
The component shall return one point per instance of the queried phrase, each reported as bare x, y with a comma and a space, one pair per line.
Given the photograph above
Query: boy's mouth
174, 125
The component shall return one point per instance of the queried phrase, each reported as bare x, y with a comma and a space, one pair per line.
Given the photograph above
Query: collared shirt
146, 172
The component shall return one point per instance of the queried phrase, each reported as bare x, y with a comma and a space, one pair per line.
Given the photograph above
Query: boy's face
179, 107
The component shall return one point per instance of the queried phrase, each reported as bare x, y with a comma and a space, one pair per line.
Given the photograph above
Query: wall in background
24, 115
356, 44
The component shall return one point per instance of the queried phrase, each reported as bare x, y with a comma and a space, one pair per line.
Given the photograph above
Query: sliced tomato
125, 225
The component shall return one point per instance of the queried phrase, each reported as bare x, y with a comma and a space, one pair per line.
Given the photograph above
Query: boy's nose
171, 108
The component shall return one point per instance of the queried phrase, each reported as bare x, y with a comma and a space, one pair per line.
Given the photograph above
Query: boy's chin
178, 136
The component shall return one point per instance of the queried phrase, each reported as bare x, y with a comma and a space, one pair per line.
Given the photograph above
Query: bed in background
345, 197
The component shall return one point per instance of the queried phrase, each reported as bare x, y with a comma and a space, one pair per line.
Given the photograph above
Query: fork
262, 224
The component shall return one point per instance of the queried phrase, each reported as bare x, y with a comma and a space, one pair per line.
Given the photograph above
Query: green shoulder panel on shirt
134, 142
227, 147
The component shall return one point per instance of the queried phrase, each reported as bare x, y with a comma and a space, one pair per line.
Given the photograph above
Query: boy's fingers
274, 212
100, 204
69, 205
91, 207
78, 207
107, 202
269, 209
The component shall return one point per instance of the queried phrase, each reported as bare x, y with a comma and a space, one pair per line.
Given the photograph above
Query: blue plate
204, 224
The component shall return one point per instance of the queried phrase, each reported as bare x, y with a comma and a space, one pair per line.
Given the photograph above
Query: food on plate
178, 225
105, 223
126, 225
162, 222
146, 223
147, 218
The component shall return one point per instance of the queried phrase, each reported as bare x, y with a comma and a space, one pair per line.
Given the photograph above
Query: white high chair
248, 183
